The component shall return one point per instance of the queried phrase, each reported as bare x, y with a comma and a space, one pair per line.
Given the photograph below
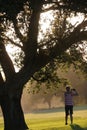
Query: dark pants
69, 109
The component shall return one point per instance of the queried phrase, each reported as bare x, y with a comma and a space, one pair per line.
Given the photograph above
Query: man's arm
74, 92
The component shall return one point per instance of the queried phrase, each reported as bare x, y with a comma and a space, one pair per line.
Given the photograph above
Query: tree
22, 19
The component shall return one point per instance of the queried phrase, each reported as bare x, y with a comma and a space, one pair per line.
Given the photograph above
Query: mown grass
54, 120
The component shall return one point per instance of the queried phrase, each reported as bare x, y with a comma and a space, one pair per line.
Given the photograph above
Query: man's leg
71, 118
66, 119
71, 114
66, 115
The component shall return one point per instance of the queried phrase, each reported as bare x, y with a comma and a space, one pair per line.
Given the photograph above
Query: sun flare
46, 19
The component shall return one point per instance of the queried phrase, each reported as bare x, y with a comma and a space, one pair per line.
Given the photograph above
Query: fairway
53, 119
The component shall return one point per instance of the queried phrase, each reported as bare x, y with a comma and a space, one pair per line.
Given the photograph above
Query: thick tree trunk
12, 113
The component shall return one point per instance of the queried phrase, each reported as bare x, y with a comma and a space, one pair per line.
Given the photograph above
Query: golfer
68, 94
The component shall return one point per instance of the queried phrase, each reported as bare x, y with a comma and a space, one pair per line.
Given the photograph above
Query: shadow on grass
51, 129
77, 127
73, 127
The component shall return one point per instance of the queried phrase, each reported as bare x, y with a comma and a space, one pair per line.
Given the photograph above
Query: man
69, 93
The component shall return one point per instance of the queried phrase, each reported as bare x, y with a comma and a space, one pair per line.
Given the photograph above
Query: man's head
68, 88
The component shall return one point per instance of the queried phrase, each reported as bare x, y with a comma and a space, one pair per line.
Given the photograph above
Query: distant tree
19, 26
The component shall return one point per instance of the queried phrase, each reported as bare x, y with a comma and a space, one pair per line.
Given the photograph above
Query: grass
53, 119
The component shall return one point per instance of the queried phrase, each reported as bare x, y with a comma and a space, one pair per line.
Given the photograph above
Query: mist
40, 100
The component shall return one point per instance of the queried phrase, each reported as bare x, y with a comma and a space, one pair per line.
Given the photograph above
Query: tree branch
30, 47
14, 43
17, 31
76, 6
44, 58
1, 79
6, 63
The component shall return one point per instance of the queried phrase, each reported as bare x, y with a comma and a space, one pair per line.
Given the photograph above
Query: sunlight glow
45, 23
46, 19
76, 19
11, 51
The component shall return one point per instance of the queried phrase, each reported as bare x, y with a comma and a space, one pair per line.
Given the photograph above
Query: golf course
53, 119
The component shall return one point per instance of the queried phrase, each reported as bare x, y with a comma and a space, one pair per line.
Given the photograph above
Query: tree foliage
61, 28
